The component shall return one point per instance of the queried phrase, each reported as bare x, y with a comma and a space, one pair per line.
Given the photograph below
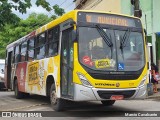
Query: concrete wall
146, 7
126, 7
156, 16
102, 5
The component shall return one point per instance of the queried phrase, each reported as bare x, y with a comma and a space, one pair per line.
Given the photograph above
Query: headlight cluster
84, 80
143, 81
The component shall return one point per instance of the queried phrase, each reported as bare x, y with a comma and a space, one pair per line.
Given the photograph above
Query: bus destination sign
109, 19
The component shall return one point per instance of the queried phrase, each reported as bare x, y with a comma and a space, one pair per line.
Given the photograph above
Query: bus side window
53, 41
23, 51
40, 46
31, 49
13, 55
17, 54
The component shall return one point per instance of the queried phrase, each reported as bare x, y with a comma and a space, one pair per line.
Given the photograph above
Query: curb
155, 95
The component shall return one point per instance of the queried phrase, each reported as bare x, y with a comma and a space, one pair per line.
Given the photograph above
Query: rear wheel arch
18, 94
49, 81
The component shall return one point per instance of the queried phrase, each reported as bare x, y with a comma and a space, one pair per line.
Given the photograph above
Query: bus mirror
145, 32
72, 23
74, 35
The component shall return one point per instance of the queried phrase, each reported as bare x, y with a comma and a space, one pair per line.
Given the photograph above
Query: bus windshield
126, 54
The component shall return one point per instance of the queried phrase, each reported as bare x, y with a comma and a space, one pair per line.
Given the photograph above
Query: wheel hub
53, 97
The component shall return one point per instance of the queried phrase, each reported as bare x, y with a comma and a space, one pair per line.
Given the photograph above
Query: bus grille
115, 76
108, 94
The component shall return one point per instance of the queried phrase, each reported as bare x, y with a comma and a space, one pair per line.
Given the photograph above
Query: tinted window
24, 47
31, 49
17, 50
23, 51
53, 41
40, 46
17, 54
40, 52
31, 44
53, 49
30, 55
41, 39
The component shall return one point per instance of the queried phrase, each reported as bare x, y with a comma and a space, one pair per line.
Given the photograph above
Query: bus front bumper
83, 93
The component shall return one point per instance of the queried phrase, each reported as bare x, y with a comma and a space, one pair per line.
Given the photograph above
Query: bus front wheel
56, 103
108, 102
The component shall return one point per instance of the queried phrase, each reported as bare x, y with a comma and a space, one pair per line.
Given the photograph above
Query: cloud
36, 9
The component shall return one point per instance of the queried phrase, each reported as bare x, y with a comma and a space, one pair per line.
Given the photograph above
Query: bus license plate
117, 97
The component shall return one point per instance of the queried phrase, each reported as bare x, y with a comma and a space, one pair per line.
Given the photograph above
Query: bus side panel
37, 73
35, 76
21, 75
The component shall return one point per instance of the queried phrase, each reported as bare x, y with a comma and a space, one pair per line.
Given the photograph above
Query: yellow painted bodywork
51, 66
38, 71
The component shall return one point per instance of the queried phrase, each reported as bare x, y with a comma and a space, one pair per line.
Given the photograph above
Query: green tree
6, 6
13, 32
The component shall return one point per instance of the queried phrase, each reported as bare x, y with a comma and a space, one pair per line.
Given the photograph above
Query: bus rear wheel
108, 102
57, 104
18, 94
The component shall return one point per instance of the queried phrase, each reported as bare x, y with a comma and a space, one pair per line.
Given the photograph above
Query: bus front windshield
111, 50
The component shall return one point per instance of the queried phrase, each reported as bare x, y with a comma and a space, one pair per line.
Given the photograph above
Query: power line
69, 5
49, 12
63, 3
58, 5
93, 4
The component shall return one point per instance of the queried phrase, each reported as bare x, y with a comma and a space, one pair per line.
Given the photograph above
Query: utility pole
137, 10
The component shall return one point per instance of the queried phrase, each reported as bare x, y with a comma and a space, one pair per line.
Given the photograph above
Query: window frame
54, 40
30, 49
25, 51
37, 46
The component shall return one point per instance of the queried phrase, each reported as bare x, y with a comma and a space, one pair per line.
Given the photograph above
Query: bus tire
26, 95
108, 102
18, 94
57, 104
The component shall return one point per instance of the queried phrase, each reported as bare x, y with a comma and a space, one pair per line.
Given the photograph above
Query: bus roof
70, 15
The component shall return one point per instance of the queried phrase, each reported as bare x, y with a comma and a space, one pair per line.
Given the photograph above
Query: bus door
66, 62
8, 69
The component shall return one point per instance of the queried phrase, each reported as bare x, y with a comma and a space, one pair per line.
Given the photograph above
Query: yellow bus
81, 56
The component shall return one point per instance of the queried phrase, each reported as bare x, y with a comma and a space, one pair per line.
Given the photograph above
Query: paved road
39, 103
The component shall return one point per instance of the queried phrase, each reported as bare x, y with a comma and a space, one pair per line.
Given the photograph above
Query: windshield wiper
104, 36
125, 38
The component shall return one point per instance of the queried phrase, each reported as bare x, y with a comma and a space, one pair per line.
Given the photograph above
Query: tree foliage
13, 28
12, 32
6, 7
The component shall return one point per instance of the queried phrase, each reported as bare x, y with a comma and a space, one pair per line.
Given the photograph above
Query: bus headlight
84, 80
143, 81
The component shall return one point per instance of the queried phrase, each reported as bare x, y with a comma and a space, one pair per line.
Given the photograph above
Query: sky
67, 5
